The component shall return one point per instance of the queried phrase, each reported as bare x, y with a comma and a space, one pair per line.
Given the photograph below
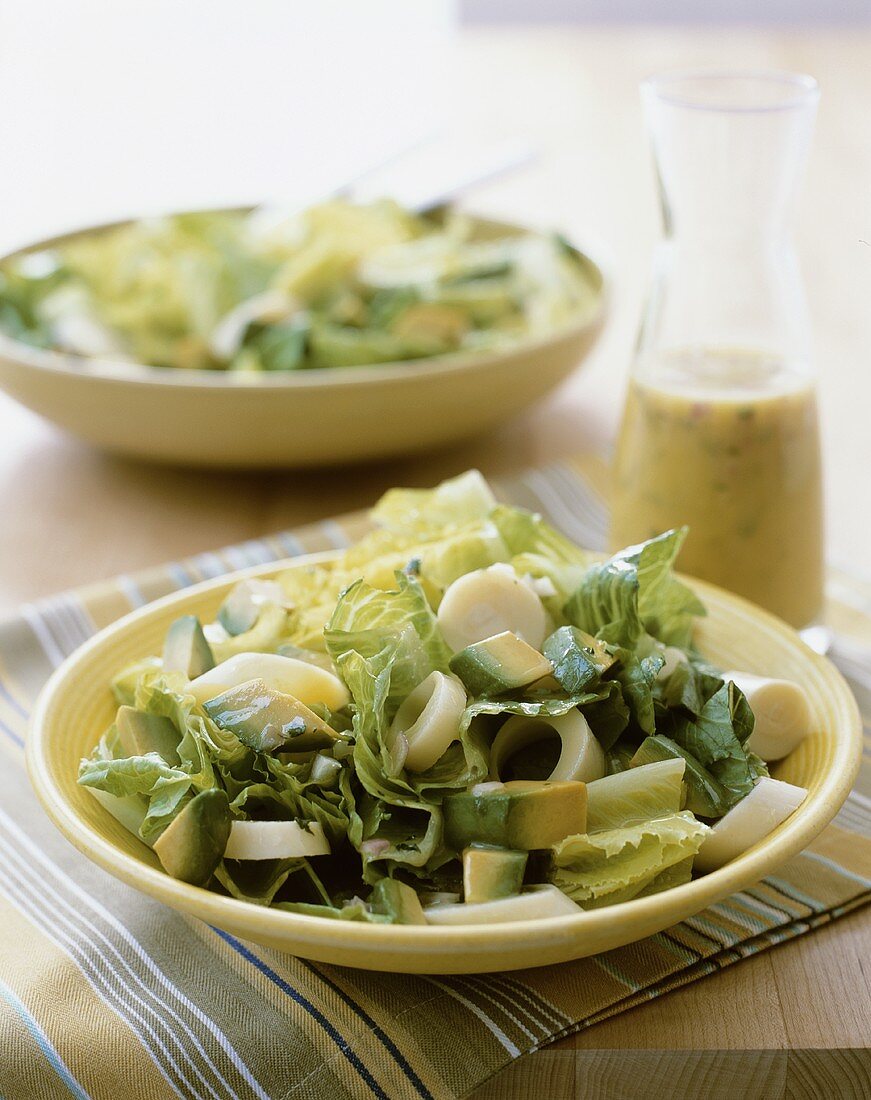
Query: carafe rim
786, 91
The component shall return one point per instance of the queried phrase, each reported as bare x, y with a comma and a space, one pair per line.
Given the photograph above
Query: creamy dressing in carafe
726, 442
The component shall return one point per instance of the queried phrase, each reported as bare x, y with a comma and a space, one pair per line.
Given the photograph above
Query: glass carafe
720, 426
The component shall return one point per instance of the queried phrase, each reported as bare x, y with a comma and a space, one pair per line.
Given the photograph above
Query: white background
112, 107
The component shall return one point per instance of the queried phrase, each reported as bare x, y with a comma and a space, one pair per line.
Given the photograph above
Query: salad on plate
464, 718
337, 285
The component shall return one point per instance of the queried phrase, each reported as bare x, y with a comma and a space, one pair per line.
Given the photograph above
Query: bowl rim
665, 908
142, 374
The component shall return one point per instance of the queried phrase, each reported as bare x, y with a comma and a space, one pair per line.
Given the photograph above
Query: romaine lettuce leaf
690, 686
666, 605
370, 683
441, 562
576, 663
426, 512
124, 683
608, 715
635, 592
716, 737
676, 875
401, 831
390, 819
259, 881
256, 881
352, 911
634, 796
595, 867
537, 549
166, 788
367, 619
602, 705
526, 532
535, 704
606, 603
204, 747
637, 677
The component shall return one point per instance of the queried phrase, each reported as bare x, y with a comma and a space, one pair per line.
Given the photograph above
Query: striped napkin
104, 991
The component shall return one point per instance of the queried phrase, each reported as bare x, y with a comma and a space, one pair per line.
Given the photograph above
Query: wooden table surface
70, 515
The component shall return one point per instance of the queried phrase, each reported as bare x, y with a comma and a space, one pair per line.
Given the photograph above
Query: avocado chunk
490, 873
192, 845
265, 719
499, 664
577, 658
398, 901
140, 732
705, 795
523, 814
186, 649
238, 612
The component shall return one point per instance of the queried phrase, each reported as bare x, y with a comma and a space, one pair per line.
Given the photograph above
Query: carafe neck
728, 151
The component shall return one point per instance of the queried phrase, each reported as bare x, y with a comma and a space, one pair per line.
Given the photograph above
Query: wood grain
685, 1075
70, 516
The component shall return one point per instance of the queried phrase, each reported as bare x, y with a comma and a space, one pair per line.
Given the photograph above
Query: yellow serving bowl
77, 706
297, 418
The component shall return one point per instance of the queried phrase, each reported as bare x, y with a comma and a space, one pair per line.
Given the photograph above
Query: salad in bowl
462, 719
337, 285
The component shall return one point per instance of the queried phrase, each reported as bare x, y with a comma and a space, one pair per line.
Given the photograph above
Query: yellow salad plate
296, 418
77, 706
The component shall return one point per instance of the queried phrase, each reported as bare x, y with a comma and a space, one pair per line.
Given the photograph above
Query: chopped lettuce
676, 875
389, 819
717, 736
608, 714
634, 796
635, 592
166, 788
688, 687
356, 911
256, 881
367, 619
426, 512
675, 746
538, 550
637, 676
593, 868
125, 682
666, 605
337, 285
